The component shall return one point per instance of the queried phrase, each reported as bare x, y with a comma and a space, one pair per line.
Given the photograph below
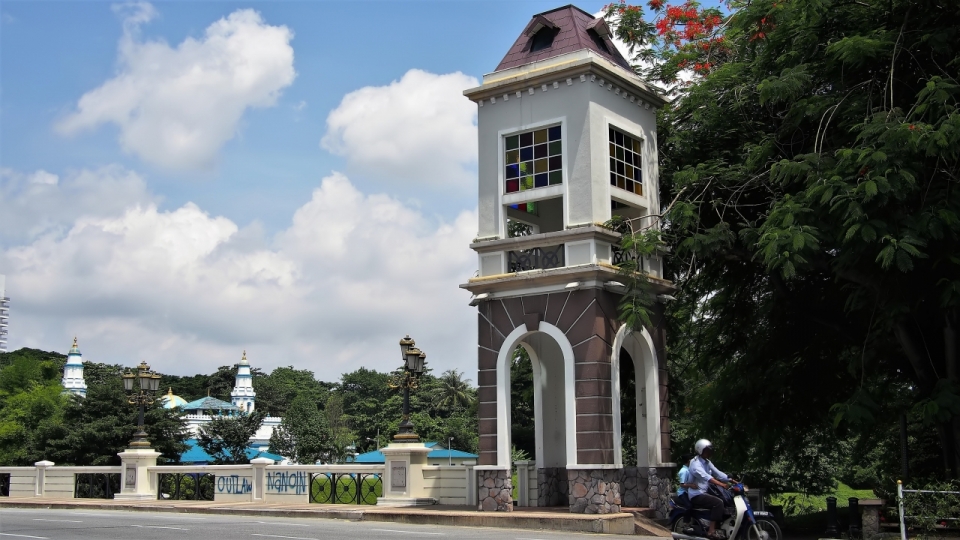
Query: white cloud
176, 107
187, 291
40, 203
419, 129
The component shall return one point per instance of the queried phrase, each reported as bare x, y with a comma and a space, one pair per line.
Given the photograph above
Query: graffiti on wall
233, 485
288, 482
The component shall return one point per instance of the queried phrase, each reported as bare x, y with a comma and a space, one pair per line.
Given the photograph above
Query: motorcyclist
684, 481
703, 473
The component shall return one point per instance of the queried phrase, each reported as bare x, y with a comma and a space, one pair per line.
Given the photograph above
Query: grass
809, 512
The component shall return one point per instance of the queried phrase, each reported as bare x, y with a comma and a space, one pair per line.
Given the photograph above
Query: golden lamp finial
74, 341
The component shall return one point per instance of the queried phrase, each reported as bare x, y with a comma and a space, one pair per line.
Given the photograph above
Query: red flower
655, 4
912, 127
673, 12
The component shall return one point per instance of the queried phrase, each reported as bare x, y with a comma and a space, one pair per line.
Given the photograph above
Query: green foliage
927, 512
277, 392
523, 422
815, 240
303, 435
94, 429
226, 438
39, 421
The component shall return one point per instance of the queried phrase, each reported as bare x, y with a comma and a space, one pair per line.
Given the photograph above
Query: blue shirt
701, 471
683, 476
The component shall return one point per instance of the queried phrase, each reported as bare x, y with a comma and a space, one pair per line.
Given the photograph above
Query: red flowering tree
681, 37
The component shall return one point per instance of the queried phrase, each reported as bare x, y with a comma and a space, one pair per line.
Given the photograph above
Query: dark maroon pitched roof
576, 32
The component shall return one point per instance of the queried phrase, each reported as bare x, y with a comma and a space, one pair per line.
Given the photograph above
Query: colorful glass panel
533, 159
626, 161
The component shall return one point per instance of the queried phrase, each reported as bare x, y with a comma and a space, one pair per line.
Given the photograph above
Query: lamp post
407, 378
142, 394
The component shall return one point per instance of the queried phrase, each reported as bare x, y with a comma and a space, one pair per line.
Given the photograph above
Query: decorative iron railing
620, 256
4, 484
96, 485
536, 258
345, 488
186, 486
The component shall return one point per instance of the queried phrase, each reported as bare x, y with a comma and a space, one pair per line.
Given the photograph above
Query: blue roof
376, 456
210, 403
196, 454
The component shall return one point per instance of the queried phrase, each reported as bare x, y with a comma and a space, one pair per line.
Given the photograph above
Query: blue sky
53, 52
165, 195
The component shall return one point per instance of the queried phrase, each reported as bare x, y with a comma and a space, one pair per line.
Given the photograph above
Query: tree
814, 162
303, 435
277, 392
227, 438
454, 392
94, 429
338, 428
522, 418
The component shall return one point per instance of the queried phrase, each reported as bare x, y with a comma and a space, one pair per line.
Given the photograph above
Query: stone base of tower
552, 486
494, 490
594, 491
647, 487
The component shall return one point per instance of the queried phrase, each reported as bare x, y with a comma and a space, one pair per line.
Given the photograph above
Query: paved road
42, 524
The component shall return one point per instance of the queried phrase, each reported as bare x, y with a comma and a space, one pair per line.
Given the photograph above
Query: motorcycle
741, 522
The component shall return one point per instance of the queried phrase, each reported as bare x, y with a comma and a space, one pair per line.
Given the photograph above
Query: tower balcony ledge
581, 276
589, 251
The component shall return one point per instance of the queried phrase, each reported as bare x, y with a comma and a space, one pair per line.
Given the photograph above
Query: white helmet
701, 445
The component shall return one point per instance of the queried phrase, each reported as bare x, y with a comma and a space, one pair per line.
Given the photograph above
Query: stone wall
552, 487
659, 487
633, 488
594, 491
494, 490
647, 487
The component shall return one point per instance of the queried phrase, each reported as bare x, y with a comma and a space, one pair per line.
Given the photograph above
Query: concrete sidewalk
557, 519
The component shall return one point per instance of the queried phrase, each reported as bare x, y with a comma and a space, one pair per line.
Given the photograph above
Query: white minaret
73, 372
4, 313
243, 395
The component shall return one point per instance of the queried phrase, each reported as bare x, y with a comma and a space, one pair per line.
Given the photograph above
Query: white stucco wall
585, 109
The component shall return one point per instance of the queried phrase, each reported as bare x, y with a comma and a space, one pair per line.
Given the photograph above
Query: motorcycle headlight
745, 489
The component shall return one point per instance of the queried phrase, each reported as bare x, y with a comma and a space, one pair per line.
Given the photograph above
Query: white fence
297, 484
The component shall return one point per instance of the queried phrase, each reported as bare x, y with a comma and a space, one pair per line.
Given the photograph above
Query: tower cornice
580, 66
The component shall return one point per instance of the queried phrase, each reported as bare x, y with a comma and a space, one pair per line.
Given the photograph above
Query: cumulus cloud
176, 106
188, 291
419, 129
41, 203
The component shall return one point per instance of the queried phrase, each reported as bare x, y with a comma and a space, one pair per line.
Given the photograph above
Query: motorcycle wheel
769, 530
683, 525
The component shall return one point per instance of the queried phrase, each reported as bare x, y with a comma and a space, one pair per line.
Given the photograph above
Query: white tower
4, 313
73, 372
243, 395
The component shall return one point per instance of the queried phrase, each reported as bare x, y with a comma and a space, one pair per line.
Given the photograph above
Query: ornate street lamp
141, 387
408, 378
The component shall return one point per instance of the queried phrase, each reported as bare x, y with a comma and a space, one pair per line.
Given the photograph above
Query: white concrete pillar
136, 481
260, 476
523, 482
42, 467
403, 483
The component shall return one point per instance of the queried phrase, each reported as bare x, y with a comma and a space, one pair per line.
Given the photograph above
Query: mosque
243, 399
198, 412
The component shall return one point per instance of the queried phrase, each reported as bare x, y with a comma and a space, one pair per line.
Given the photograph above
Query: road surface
79, 524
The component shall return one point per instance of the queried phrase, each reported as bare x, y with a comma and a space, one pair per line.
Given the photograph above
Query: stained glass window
530, 207
626, 162
533, 159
